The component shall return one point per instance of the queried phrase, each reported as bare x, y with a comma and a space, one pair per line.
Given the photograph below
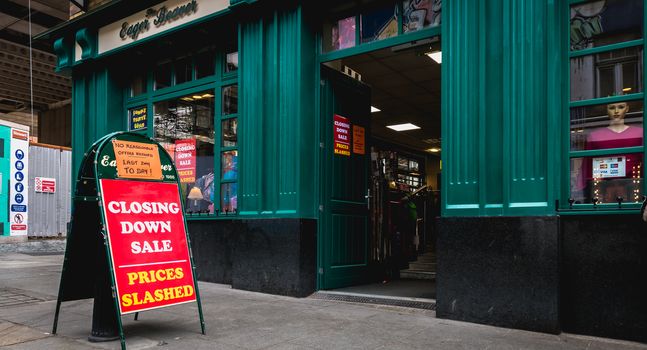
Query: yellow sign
137, 160
358, 140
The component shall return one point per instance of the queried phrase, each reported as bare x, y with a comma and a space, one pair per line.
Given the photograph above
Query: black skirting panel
502, 271
604, 276
276, 256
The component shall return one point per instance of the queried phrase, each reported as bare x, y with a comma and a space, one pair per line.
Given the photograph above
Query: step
417, 275
423, 266
426, 259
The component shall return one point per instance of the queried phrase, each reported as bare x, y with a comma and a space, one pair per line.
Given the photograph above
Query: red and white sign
45, 185
341, 132
20, 134
148, 245
185, 160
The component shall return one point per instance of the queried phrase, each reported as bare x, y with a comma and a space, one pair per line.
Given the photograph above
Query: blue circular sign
20, 176
20, 154
20, 165
19, 198
20, 187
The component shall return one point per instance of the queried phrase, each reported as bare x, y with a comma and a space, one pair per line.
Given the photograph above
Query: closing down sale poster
148, 246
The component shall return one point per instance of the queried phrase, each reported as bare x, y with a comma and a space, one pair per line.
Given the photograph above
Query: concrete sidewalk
244, 320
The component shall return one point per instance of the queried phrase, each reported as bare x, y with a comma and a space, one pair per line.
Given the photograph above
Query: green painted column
277, 126
501, 88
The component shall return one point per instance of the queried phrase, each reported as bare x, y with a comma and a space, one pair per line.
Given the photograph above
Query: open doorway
403, 169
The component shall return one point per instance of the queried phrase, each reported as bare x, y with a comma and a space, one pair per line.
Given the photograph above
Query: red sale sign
185, 160
148, 244
341, 133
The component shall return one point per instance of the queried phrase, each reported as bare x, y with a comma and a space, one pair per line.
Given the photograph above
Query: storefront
305, 135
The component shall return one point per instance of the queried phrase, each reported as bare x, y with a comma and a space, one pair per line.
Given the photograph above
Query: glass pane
420, 14
229, 197
379, 24
183, 70
599, 23
606, 178
613, 73
604, 126
230, 100
204, 65
184, 127
230, 132
138, 85
232, 62
229, 165
162, 76
339, 34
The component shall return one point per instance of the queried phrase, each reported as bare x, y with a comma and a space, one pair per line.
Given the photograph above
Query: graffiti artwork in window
605, 22
420, 14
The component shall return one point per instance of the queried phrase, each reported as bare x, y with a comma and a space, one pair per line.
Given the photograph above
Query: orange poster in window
136, 160
358, 140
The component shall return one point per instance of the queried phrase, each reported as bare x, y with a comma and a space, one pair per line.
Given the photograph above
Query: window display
184, 126
230, 100
603, 126
608, 178
420, 14
230, 132
340, 34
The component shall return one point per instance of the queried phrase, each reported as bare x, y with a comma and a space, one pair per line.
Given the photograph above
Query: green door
344, 224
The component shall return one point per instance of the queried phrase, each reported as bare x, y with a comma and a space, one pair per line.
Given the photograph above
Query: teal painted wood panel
277, 133
500, 97
524, 91
460, 105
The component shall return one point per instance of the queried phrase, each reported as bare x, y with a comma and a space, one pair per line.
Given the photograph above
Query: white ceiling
405, 85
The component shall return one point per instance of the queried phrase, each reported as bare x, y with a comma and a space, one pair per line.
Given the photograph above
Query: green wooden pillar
277, 116
499, 100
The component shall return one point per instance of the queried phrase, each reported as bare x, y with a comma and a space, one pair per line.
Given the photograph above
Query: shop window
232, 62
607, 101
204, 65
196, 123
612, 73
420, 14
230, 100
229, 156
162, 76
380, 22
230, 132
339, 34
183, 70
184, 127
599, 23
138, 85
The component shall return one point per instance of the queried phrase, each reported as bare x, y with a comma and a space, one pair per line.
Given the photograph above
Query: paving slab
238, 319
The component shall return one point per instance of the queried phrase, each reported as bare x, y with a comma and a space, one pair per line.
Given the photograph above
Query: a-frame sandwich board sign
127, 238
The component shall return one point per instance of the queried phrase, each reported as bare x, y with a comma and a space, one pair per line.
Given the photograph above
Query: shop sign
138, 118
45, 185
136, 160
155, 20
359, 144
148, 246
138, 218
18, 175
609, 167
185, 160
341, 132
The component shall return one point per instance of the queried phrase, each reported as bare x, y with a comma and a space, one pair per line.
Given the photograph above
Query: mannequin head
617, 112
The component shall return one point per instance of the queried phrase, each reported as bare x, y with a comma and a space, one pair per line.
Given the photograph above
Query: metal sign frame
88, 190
